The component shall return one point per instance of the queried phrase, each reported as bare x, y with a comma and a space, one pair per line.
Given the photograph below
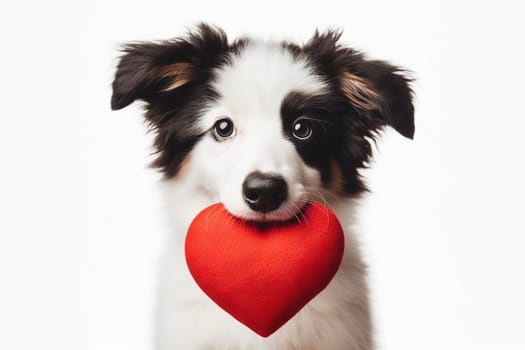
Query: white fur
253, 87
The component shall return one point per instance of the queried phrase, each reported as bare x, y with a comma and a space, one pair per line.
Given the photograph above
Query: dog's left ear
378, 91
377, 87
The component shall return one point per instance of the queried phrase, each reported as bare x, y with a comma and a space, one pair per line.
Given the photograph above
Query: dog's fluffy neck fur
338, 318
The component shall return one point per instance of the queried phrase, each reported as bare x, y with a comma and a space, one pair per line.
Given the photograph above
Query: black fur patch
333, 139
343, 130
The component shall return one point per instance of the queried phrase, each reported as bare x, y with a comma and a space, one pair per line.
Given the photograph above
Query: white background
442, 231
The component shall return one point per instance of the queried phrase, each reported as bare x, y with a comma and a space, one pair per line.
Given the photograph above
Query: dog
264, 128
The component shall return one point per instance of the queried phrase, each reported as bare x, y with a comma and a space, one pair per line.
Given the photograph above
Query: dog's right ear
136, 78
148, 69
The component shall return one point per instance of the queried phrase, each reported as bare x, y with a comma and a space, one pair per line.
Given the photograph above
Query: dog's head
264, 127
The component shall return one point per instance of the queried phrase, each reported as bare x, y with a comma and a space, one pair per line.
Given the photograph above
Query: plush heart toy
263, 274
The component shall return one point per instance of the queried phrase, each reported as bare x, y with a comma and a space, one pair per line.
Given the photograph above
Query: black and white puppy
262, 127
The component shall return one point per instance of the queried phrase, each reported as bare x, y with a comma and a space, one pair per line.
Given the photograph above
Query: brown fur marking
181, 74
359, 92
336, 184
183, 168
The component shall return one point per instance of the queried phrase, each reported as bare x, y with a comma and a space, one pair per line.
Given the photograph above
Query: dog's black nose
264, 192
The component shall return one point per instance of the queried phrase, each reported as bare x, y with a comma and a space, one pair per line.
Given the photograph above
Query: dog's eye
302, 129
223, 129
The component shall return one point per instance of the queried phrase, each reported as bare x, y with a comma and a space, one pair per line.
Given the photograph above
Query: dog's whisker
316, 195
293, 212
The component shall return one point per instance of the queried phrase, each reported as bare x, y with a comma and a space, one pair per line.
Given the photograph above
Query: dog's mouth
287, 211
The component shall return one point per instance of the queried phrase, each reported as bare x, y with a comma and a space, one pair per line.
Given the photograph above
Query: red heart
263, 274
